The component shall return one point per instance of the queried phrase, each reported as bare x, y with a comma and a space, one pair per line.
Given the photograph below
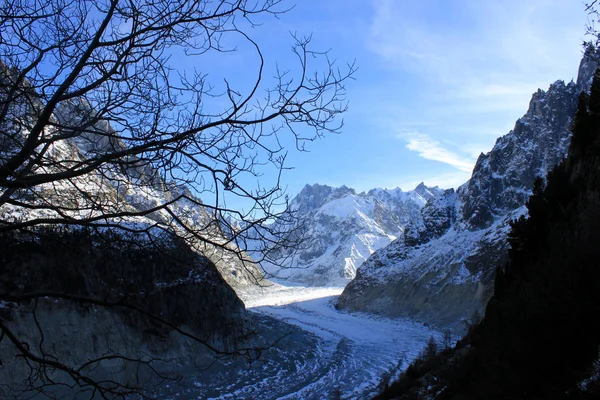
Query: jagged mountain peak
377, 192
420, 187
343, 228
422, 190
314, 196
587, 66
427, 192
502, 178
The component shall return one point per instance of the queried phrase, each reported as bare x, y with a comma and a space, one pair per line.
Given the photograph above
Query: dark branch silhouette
103, 130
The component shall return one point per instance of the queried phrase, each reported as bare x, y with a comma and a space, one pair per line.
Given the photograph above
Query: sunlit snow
354, 349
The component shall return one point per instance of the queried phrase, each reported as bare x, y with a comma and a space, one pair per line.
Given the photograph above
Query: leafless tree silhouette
101, 128
97, 74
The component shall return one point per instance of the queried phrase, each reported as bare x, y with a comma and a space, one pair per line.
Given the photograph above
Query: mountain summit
343, 228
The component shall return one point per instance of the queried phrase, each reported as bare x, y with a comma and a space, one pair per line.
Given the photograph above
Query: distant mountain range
343, 228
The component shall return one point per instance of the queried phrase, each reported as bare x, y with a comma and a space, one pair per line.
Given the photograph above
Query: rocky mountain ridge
442, 270
342, 228
547, 293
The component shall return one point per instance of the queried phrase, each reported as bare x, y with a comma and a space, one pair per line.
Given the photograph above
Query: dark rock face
443, 268
169, 281
167, 278
502, 179
435, 219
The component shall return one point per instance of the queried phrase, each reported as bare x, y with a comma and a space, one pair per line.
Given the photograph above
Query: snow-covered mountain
132, 188
442, 270
343, 228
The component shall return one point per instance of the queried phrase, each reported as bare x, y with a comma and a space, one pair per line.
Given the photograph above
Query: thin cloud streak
432, 149
507, 45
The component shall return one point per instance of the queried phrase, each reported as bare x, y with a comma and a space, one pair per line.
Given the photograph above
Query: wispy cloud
432, 149
480, 57
458, 74
489, 44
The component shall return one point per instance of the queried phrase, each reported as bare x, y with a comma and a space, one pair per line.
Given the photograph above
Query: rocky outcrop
502, 179
435, 219
442, 270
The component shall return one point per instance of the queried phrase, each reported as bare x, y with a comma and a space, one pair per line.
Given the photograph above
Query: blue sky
438, 81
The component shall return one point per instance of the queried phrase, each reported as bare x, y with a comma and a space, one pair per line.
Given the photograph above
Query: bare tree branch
103, 128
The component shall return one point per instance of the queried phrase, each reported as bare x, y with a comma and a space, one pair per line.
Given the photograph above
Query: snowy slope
336, 352
442, 270
138, 187
343, 228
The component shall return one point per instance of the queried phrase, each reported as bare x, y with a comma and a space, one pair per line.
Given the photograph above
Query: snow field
353, 350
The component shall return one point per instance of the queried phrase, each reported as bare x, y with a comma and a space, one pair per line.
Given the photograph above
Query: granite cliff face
502, 179
343, 228
442, 270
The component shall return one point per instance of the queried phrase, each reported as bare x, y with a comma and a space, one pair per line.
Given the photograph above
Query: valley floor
334, 353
